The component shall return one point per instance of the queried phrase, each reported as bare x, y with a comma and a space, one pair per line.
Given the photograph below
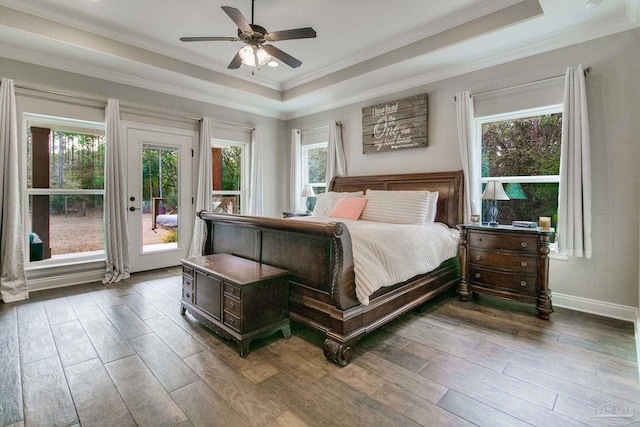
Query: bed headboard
448, 184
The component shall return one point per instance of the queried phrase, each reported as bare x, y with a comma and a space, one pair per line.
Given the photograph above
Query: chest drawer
516, 263
231, 305
524, 284
507, 242
231, 290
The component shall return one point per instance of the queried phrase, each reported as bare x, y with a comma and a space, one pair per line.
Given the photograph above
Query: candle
544, 223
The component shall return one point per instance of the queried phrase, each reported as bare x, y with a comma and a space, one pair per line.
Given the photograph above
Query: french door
160, 206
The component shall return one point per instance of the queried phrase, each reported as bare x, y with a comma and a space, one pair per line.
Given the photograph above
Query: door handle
132, 209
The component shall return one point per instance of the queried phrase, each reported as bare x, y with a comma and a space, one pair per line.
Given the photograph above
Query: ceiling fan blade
209, 39
282, 56
235, 62
297, 33
237, 17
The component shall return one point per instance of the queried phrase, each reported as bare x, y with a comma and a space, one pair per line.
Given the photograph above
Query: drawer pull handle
523, 244
231, 305
523, 283
479, 239
523, 263
478, 275
231, 321
231, 290
478, 257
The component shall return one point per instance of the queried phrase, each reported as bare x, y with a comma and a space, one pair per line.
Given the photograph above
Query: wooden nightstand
235, 297
507, 262
294, 214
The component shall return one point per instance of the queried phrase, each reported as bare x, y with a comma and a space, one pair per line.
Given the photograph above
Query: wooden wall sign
395, 125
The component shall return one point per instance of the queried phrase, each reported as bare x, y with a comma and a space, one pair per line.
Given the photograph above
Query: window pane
160, 186
317, 164
528, 203
231, 168
65, 160
226, 203
522, 147
64, 225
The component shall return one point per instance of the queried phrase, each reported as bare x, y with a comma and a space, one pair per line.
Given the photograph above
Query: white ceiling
363, 48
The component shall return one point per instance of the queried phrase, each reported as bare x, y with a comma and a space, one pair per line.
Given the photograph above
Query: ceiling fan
256, 52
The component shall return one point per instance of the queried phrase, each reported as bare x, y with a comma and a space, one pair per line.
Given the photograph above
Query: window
314, 166
522, 150
230, 166
64, 189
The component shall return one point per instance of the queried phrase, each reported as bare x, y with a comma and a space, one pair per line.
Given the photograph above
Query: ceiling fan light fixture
249, 56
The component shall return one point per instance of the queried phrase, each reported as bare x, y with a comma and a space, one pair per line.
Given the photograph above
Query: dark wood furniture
235, 297
319, 258
294, 214
507, 262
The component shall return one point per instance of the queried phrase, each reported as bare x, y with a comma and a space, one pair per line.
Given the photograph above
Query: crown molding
559, 41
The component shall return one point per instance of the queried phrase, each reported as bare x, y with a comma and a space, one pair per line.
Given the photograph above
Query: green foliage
524, 147
231, 168
317, 164
170, 237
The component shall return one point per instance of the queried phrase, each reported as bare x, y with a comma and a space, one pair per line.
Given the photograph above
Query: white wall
608, 282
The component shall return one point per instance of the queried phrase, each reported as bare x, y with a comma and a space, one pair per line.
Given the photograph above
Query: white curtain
115, 199
469, 153
13, 280
203, 195
336, 162
296, 172
256, 200
574, 201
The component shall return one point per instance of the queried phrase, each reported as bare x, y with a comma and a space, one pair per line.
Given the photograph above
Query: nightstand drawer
524, 284
507, 242
231, 305
516, 263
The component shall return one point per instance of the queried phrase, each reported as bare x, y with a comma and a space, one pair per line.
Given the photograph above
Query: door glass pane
65, 226
160, 198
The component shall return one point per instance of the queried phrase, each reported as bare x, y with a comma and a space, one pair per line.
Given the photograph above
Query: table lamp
307, 192
493, 192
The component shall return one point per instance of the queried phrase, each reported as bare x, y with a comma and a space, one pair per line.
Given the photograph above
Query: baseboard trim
61, 280
601, 308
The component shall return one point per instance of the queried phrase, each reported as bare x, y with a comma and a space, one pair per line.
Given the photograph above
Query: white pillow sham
433, 206
397, 207
327, 201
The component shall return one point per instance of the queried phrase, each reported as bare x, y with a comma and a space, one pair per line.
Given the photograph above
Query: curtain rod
130, 107
586, 71
318, 127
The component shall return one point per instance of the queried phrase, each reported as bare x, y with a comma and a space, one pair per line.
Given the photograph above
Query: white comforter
386, 254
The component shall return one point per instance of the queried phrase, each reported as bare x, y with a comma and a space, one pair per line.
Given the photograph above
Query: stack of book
525, 224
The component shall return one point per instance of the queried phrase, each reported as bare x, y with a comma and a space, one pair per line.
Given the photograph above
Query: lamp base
493, 213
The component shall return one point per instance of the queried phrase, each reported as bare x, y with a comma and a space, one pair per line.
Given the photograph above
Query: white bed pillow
327, 201
433, 206
397, 207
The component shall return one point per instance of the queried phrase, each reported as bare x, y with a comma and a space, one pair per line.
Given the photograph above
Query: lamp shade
307, 191
494, 191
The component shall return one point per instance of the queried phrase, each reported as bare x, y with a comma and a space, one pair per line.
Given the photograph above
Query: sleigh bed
319, 257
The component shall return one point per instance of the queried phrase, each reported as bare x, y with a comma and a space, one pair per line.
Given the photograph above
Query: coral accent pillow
349, 208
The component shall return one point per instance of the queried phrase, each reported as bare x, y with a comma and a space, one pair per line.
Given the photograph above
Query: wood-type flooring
122, 355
